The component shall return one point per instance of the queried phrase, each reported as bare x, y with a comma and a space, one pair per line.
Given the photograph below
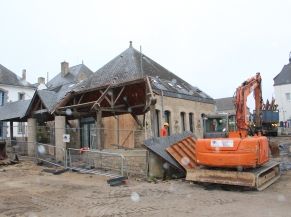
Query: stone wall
176, 106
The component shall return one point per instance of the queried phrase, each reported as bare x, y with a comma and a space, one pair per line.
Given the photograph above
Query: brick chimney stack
64, 68
23, 74
41, 80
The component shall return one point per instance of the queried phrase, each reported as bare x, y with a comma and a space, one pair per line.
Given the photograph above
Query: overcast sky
214, 45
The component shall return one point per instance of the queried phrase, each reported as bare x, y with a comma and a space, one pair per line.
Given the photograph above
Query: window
157, 122
191, 122
288, 97
21, 96
21, 128
182, 116
1, 98
168, 120
88, 135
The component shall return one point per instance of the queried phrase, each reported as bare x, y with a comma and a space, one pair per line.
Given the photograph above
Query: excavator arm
253, 84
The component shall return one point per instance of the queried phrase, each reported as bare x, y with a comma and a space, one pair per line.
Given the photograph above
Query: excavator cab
218, 125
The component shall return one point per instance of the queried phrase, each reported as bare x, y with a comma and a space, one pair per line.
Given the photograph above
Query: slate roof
132, 65
225, 104
51, 97
73, 76
14, 110
9, 78
284, 77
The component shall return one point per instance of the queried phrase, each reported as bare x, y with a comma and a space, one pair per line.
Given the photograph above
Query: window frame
21, 94
2, 96
183, 121
191, 122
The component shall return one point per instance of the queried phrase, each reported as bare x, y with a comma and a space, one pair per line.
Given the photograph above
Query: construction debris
285, 156
117, 181
184, 152
159, 145
55, 171
8, 162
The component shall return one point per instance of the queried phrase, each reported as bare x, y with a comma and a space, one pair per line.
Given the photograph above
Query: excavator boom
242, 92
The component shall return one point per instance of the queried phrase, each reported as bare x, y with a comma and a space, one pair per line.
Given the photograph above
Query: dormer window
288, 96
21, 96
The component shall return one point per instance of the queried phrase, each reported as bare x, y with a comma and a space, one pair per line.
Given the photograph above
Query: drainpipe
118, 131
162, 102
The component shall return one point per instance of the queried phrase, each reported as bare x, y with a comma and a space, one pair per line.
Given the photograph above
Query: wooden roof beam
99, 100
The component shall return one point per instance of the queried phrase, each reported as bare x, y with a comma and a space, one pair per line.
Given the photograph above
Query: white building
282, 86
13, 88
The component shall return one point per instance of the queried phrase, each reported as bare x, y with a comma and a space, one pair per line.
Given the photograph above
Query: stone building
134, 119
119, 106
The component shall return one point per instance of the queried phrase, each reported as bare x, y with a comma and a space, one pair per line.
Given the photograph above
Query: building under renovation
118, 107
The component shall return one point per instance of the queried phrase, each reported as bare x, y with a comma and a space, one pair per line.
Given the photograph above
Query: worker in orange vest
164, 130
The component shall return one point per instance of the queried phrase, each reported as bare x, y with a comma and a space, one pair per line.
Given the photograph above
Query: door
88, 134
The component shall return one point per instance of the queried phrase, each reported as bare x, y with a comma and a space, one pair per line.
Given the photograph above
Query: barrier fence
115, 159
97, 162
51, 154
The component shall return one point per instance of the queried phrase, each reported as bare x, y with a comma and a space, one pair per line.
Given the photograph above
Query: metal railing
116, 159
51, 154
97, 162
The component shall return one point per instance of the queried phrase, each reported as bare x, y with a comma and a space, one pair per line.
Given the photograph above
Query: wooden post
153, 120
118, 130
11, 132
98, 129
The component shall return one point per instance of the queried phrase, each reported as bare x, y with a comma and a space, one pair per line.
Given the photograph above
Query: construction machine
269, 119
230, 155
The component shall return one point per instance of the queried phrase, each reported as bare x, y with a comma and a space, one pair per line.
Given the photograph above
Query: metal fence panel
120, 156
51, 154
97, 162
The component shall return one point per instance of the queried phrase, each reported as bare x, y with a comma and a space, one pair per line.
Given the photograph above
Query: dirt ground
26, 190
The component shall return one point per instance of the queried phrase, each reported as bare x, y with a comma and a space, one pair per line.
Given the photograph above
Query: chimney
23, 74
41, 80
64, 68
290, 57
130, 43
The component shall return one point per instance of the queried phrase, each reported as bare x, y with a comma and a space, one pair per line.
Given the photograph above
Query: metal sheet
158, 145
184, 152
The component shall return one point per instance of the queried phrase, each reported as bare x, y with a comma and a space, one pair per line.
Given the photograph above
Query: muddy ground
26, 190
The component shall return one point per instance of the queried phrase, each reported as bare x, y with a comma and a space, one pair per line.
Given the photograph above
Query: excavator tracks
258, 178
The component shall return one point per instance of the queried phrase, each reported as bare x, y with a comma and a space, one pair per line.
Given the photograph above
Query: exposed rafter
99, 100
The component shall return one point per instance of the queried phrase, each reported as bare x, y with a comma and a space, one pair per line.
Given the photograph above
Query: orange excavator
237, 159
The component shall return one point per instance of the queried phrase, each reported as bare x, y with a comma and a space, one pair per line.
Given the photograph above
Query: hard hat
166, 124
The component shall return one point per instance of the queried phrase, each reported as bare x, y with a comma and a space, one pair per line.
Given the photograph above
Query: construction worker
164, 130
